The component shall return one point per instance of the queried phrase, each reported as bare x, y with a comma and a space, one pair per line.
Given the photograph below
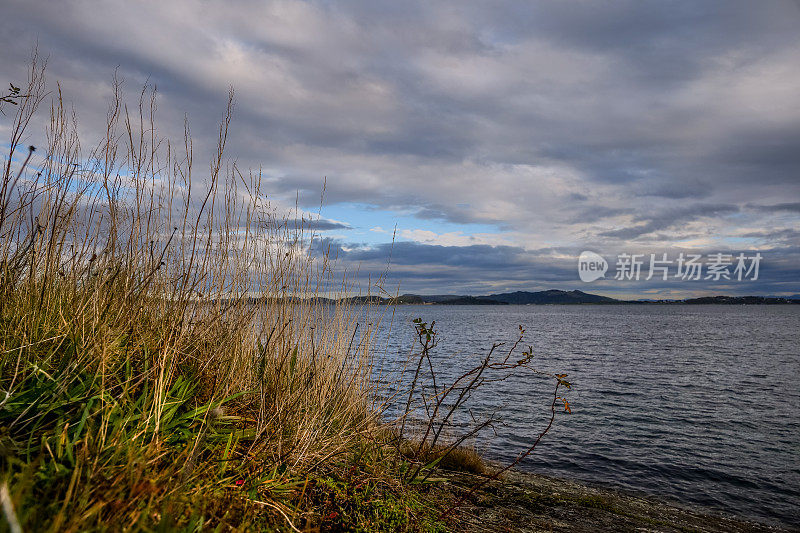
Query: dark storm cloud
789, 207
676, 188
482, 269
593, 214
559, 123
775, 237
669, 218
319, 224
422, 267
475, 256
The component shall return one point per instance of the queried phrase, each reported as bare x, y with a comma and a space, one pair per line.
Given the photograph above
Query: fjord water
699, 404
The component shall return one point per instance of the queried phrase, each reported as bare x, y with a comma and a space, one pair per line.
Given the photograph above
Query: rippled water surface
697, 403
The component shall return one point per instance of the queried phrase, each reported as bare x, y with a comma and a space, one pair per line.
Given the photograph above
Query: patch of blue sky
87, 179
376, 226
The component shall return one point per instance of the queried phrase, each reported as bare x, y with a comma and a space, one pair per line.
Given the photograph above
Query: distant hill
552, 296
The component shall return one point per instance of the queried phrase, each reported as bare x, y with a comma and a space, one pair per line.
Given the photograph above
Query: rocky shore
523, 502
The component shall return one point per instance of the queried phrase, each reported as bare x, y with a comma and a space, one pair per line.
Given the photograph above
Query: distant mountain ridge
556, 297
559, 297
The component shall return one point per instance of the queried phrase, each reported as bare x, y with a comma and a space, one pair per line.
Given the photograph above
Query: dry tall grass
163, 363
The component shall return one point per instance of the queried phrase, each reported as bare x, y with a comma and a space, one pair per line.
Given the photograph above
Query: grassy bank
162, 367
166, 363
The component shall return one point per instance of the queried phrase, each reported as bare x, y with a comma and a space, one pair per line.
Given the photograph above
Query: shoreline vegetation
137, 395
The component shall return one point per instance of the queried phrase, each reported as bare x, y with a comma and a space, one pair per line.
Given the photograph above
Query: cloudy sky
500, 139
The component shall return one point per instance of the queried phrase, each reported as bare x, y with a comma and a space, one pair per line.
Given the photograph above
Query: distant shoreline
549, 297
558, 297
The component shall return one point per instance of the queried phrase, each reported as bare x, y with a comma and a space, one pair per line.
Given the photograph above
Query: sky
475, 147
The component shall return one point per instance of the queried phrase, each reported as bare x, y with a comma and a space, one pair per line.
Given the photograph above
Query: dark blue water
700, 404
